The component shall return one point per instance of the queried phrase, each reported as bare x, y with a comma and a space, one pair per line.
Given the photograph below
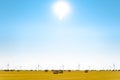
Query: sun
61, 9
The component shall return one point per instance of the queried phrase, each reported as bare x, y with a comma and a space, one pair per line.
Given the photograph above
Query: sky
31, 34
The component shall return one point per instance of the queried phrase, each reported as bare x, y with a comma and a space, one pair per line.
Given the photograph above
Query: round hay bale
86, 71
46, 70
55, 72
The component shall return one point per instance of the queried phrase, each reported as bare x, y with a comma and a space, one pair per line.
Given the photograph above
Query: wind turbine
8, 67
78, 66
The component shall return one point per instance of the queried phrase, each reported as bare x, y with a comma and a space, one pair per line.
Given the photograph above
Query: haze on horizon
31, 34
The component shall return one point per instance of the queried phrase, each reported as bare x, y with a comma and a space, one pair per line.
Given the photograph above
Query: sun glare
61, 9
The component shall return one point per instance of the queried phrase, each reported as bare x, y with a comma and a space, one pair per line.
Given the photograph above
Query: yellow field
74, 75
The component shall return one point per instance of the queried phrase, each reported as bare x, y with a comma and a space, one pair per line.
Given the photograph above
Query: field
73, 75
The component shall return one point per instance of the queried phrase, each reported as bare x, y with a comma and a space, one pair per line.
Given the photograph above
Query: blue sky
31, 34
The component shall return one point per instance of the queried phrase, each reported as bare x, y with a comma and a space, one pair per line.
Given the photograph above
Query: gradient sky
30, 34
